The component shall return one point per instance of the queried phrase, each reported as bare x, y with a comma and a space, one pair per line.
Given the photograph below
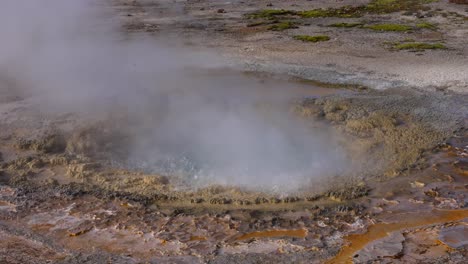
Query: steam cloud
187, 117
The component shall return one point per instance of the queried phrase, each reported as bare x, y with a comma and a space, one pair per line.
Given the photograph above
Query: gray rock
390, 246
455, 236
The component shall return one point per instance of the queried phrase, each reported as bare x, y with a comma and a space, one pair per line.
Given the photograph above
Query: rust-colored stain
78, 233
198, 238
300, 233
462, 171
357, 242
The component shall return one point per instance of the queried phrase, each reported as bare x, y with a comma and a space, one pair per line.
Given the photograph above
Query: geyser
183, 118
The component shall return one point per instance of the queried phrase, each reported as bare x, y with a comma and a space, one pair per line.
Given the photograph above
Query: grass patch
283, 26
260, 23
391, 6
389, 27
346, 25
307, 38
374, 7
426, 25
418, 46
344, 12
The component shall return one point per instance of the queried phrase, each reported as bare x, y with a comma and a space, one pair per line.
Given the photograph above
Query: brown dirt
67, 197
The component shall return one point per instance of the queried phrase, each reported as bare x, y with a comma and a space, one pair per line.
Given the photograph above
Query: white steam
187, 118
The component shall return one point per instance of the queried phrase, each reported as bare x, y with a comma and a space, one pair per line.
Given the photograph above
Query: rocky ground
356, 51
65, 198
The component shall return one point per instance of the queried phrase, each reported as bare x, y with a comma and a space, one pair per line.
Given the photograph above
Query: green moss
389, 27
390, 6
426, 25
283, 26
314, 13
418, 46
374, 7
346, 25
260, 23
344, 12
308, 38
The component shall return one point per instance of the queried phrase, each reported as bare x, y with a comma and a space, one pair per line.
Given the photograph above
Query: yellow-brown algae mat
300, 233
357, 242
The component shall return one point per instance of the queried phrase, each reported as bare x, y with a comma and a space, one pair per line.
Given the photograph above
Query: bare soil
66, 197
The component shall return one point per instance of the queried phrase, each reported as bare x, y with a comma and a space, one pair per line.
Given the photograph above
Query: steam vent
302, 131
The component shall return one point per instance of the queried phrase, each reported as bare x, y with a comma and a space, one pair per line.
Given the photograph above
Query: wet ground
354, 54
63, 206
66, 196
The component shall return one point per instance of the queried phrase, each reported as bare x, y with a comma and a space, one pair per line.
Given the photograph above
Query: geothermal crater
241, 132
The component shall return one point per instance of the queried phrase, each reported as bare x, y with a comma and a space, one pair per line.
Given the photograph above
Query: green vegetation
389, 27
344, 12
346, 25
426, 25
418, 46
275, 25
374, 7
273, 16
390, 6
283, 26
308, 38
260, 23
329, 85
